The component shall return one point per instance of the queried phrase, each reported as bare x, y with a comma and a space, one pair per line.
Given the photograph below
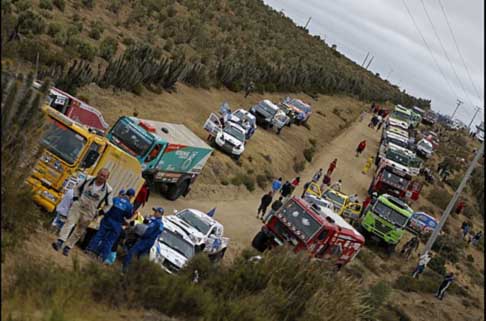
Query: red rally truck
305, 227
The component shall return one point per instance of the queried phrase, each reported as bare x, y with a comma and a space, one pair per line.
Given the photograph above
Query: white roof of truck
176, 133
338, 220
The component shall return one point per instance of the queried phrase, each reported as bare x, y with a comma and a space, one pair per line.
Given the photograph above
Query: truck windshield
334, 197
397, 142
177, 243
128, 138
195, 221
266, 109
390, 214
395, 180
400, 115
398, 157
63, 141
233, 131
297, 217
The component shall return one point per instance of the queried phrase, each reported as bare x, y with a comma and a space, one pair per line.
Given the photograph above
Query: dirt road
238, 216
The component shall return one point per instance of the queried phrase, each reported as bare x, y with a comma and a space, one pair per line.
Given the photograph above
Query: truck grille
170, 266
380, 227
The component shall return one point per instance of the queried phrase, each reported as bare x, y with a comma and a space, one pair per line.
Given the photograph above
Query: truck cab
392, 181
400, 117
406, 162
304, 227
301, 110
386, 218
425, 148
392, 141
171, 155
72, 151
269, 115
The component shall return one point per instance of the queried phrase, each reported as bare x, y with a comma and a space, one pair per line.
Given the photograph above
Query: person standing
373, 106
380, 123
337, 186
142, 246
459, 207
368, 164
326, 180
276, 185
276, 205
331, 167
317, 176
423, 261
62, 210
354, 198
286, 189
142, 197
306, 186
476, 238
446, 282
89, 196
410, 247
361, 147
362, 115
295, 182
111, 225
465, 230
372, 122
265, 201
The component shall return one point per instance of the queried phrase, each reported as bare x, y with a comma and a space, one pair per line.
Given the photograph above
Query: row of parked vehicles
229, 131
78, 142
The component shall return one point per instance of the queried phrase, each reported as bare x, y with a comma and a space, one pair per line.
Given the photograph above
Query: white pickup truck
229, 137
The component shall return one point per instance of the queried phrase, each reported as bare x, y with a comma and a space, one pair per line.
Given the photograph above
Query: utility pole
362, 65
475, 113
453, 201
307, 23
369, 63
459, 103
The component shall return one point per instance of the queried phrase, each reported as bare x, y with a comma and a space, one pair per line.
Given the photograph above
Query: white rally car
205, 231
230, 137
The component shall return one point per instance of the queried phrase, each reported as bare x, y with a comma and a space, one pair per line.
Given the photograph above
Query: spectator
286, 190
476, 238
317, 176
361, 147
326, 180
276, 185
295, 182
446, 282
410, 247
337, 186
265, 201
276, 205
331, 167
459, 207
423, 261
142, 197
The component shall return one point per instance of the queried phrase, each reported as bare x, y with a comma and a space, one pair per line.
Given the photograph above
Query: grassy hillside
203, 43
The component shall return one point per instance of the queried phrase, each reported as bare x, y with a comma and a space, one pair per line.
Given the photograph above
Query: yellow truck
71, 151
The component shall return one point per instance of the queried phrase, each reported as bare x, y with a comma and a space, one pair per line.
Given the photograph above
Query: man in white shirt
423, 261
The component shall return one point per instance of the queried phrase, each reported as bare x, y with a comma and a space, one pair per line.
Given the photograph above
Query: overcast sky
386, 30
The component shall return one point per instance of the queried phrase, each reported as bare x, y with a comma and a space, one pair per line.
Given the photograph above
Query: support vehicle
171, 155
268, 115
386, 218
229, 137
392, 141
422, 224
395, 131
246, 120
392, 181
400, 117
72, 151
425, 148
341, 204
305, 227
302, 111
75, 109
206, 232
406, 162
430, 118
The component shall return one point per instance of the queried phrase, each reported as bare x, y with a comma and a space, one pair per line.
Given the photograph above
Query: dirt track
238, 216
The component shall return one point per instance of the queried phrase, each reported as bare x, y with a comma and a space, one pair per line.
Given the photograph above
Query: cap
159, 209
122, 192
130, 192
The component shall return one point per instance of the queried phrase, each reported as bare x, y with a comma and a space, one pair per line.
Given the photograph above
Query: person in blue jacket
111, 225
155, 227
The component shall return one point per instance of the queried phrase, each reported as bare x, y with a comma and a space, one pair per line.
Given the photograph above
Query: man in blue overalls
147, 240
111, 225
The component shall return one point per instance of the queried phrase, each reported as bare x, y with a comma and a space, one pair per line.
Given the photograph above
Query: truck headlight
49, 196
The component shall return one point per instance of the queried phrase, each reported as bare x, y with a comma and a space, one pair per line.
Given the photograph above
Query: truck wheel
260, 242
390, 248
176, 190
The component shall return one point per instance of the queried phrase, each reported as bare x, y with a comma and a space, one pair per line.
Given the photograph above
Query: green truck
171, 155
386, 217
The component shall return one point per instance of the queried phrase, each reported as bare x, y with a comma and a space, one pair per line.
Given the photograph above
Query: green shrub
313, 142
299, 166
244, 179
368, 258
54, 28
138, 89
309, 153
439, 197
88, 3
22, 5
224, 182
261, 181
470, 258
96, 30
449, 247
60, 4
114, 6
30, 23
46, 4
127, 41
376, 297
437, 264
108, 48
428, 282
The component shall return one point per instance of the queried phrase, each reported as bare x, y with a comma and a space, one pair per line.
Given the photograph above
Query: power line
459, 51
445, 51
428, 48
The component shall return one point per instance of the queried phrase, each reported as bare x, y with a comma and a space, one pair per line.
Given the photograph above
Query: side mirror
90, 159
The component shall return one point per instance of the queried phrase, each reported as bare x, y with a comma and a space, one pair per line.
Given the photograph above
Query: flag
211, 212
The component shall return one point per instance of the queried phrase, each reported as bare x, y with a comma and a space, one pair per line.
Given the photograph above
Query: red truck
306, 227
391, 180
75, 109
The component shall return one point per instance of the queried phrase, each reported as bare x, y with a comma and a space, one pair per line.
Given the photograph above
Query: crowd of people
121, 221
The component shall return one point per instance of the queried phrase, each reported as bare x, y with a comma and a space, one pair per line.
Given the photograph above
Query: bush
313, 142
108, 48
439, 197
470, 258
88, 3
427, 283
309, 153
54, 28
449, 247
30, 23
299, 166
261, 181
96, 30
376, 297
46, 4
244, 179
86, 50
60, 4
437, 264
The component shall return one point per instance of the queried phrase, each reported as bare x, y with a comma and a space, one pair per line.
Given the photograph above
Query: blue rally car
422, 223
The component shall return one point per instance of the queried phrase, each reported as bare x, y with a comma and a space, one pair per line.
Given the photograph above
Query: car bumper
42, 195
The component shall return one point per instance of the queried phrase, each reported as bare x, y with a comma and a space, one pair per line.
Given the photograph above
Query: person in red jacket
460, 207
331, 167
361, 147
142, 197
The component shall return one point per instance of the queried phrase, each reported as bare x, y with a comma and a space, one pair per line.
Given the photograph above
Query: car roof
269, 103
235, 125
203, 216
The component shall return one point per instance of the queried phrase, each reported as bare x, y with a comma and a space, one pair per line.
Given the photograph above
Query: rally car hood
160, 252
